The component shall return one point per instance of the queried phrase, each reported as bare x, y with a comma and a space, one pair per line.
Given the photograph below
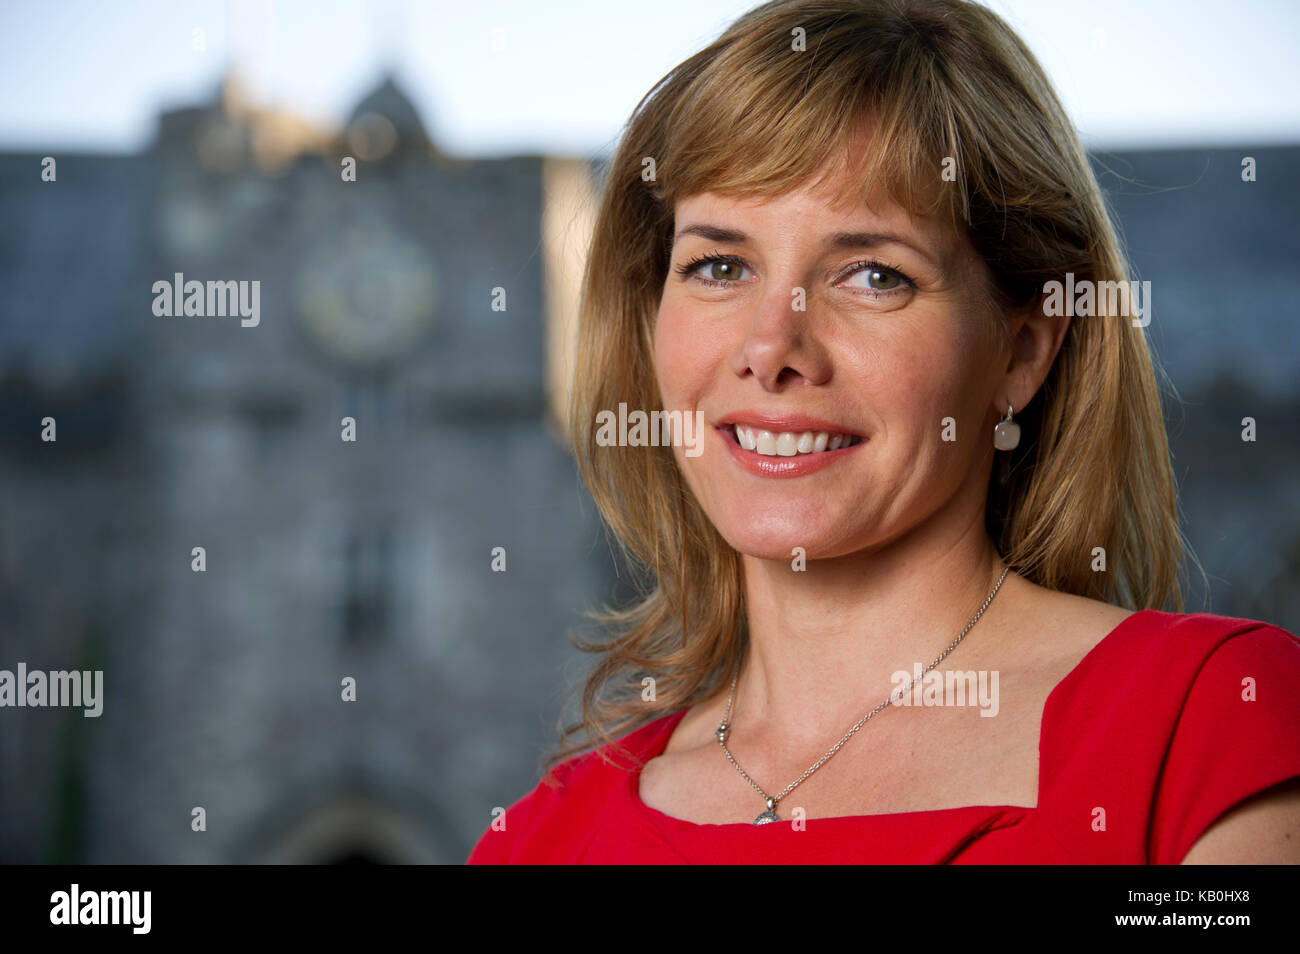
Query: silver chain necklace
773, 800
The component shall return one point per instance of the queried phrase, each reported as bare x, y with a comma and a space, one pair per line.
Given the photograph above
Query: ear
1035, 340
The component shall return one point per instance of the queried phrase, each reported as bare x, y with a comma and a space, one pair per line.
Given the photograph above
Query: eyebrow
838, 240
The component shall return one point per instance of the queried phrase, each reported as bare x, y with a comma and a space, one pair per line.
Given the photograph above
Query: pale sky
495, 77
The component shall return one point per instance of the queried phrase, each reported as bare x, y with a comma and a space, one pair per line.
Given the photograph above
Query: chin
778, 542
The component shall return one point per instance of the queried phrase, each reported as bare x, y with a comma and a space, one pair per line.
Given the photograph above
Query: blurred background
205, 138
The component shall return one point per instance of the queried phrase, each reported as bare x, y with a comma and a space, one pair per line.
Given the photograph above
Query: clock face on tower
365, 292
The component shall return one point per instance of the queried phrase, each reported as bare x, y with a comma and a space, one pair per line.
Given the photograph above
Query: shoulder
1228, 678
1168, 722
1184, 673
550, 823
1123, 647
1236, 737
1080, 631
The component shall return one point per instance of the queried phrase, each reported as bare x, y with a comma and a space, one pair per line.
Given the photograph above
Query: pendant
768, 816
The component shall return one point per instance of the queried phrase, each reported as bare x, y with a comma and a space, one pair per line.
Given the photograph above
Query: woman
832, 234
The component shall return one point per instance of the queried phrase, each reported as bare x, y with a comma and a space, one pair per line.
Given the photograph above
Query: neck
825, 642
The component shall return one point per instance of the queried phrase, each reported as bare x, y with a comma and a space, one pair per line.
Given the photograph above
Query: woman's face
795, 316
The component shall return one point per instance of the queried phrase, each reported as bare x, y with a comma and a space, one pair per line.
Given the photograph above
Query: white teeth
791, 443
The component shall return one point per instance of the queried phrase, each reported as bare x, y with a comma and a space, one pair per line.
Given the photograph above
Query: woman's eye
876, 278
714, 270
723, 271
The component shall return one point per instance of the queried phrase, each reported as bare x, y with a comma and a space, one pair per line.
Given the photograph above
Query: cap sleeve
1238, 734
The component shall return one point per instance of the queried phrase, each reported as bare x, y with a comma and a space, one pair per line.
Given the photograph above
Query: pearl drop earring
1006, 433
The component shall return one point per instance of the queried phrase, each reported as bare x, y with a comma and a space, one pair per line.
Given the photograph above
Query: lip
784, 422
800, 465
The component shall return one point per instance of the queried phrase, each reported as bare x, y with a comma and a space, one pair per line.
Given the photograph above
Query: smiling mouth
787, 443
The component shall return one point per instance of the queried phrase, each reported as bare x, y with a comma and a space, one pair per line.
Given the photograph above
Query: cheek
684, 357
927, 378
924, 372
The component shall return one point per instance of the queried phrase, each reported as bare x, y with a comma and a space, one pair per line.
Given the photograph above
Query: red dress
1166, 724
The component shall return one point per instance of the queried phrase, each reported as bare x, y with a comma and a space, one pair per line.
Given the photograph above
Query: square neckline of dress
659, 742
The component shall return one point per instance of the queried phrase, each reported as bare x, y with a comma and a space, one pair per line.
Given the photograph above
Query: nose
781, 344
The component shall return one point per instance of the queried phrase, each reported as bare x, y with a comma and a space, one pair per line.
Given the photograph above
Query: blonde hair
753, 115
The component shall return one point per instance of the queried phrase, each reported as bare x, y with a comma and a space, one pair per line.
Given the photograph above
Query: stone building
412, 301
